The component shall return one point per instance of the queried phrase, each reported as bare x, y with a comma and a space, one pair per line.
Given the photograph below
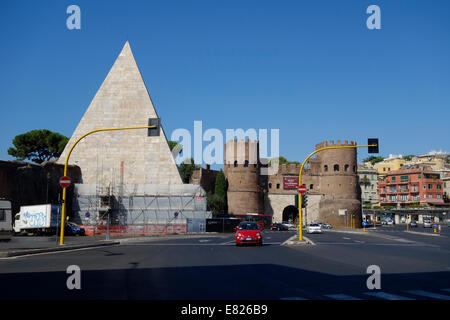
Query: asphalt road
212, 267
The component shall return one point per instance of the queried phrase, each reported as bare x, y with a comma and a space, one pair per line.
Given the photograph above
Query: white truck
6, 229
37, 219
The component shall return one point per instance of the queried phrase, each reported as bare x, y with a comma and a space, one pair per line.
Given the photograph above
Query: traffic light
373, 141
154, 132
304, 200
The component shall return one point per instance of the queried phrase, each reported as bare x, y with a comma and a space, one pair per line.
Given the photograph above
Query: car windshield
314, 225
248, 226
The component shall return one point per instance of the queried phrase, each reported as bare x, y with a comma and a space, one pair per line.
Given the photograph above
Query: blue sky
309, 68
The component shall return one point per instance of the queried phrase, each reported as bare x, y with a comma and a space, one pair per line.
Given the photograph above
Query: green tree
172, 144
217, 201
38, 145
283, 160
186, 169
409, 157
220, 187
373, 159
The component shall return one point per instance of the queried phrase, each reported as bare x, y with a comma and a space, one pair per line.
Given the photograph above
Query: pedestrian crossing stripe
341, 296
382, 295
387, 296
429, 294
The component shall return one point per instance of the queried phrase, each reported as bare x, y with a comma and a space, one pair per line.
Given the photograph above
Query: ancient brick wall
26, 183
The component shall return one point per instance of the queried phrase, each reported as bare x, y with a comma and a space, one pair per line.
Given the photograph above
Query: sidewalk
24, 245
18, 246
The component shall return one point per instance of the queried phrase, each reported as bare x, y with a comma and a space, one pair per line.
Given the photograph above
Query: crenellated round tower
242, 171
338, 182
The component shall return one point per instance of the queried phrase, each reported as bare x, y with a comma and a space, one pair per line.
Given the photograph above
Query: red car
248, 232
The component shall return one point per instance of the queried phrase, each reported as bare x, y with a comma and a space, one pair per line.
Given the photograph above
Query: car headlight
239, 234
258, 234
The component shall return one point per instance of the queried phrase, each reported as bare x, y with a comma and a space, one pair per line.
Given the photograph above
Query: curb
423, 233
6, 254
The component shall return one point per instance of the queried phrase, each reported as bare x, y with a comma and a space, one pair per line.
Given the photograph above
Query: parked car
327, 226
279, 227
248, 232
427, 224
71, 229
413, 224
288, 224
314, 228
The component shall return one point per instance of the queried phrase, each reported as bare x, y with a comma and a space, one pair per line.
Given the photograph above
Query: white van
6, 229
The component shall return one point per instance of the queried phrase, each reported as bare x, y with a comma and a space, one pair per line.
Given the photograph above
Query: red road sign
64, 182
302, 189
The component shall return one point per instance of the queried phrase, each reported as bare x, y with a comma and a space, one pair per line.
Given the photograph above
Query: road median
294, 241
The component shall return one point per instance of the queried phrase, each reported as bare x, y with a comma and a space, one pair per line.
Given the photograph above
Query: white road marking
429, 294
345, 238
387, 296
341, 296
204, 240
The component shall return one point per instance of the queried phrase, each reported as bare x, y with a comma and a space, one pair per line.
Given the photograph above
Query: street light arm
94, 131
63, 211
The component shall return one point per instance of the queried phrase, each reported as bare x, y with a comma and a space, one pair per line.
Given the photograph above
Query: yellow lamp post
63, 211
300, 234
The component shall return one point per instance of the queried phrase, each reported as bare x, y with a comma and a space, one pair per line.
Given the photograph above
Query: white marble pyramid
131, 156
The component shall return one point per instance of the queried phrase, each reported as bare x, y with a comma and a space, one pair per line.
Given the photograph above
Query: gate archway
290, 213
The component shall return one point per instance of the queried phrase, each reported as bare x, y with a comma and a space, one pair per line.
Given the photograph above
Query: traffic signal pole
300, 234
63, 211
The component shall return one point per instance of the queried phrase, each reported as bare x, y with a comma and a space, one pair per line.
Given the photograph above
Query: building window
430, 196
424, 186
354, 168
424, 196
235, 164
438, 196
246, 163
384, 169
430, 186
336, 167
389, 169
270, 186
393, 179
438, 186
325, 168
278, 186
346, 168
311, 186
